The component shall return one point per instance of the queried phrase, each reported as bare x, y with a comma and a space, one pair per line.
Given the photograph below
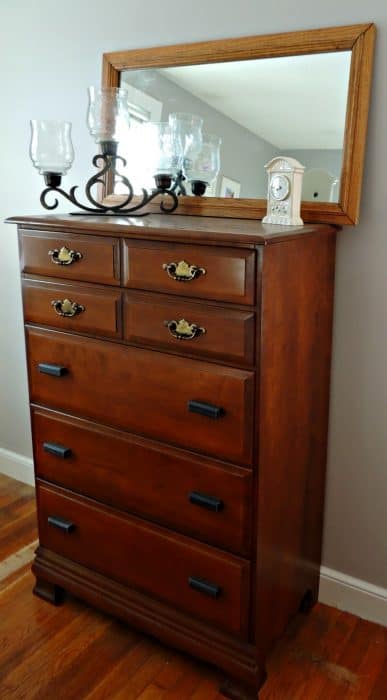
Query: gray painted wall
329, 159
62, 57
243, 154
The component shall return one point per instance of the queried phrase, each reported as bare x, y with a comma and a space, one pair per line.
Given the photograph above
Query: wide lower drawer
194, 328
226, 274
191, 494
84, 258
195, 578
145, 392
73, 307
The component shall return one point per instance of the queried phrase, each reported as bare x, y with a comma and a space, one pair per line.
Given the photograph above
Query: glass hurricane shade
108, 114
205, 165
158, 148
187, 136
51, 149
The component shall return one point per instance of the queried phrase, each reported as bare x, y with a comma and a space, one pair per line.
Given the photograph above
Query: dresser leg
235, 690
308, 601
49, 591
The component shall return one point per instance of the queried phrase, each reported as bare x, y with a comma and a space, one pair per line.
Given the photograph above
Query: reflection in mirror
256, 109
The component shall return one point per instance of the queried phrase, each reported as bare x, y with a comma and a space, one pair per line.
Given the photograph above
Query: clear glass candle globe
206, 164
51, 148
187, 137
108, 114
159, 148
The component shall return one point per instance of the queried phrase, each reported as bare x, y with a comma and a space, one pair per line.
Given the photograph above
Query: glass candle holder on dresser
51, 149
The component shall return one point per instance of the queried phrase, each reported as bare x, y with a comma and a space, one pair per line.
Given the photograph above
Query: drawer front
148, 558
226, 274
73, 307
193, 328
145, 392
191, 494
84, 258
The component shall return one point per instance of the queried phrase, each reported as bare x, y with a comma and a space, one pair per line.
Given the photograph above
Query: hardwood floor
77, 653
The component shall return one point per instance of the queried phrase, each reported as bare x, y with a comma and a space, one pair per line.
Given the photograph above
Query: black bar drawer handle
62, 524
54, 370
58, 450
209, 502
199, 584
206, 409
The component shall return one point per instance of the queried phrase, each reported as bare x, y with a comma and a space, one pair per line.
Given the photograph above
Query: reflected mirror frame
359, 39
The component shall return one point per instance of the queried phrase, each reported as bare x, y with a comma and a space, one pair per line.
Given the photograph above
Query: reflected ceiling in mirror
290, 105
302, 94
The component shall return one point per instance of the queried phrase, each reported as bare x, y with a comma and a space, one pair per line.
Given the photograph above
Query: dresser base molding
56, 574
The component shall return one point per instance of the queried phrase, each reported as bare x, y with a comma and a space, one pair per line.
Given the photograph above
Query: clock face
279, 187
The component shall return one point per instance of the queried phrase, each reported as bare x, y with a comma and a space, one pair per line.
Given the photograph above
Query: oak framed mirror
303, 94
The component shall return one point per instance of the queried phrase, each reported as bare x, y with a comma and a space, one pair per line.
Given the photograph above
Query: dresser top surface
166, 227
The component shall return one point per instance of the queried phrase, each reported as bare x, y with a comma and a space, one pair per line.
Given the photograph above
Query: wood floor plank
20, 533
119, 674
98, 650
171, 673
348, 662
293, 662
16, 561
186, 685
372, 662
10, 489
378, 692
31, 623
144, 675
28, 680
11, 580
206, 690
15, 508
323, 673
152, 692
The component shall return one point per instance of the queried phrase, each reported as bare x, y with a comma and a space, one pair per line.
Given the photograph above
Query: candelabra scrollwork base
168, 203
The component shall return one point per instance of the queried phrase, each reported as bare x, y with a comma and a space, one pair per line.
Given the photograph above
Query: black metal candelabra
165, 186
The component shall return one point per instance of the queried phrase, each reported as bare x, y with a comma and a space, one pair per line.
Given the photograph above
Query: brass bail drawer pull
182, 271
183, 330
64, 256
66, 307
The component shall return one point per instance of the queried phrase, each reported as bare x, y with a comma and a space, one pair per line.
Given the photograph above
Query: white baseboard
17, 466
353, 595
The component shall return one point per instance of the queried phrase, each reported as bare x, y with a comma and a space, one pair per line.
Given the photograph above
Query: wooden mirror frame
359, 39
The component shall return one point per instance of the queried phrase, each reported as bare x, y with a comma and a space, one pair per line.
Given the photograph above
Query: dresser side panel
295, 352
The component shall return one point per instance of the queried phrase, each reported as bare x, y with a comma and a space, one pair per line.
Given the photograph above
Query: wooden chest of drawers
179, 384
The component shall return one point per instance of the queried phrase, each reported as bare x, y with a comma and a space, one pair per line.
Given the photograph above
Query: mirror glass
261, 108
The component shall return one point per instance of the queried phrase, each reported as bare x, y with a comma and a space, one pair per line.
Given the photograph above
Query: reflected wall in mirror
303, 94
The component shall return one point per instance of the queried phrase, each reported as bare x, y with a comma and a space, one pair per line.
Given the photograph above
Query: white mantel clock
284, 191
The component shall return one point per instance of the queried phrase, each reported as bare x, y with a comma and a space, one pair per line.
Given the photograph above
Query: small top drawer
72, 306
84, 258
227, 274
192, 327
